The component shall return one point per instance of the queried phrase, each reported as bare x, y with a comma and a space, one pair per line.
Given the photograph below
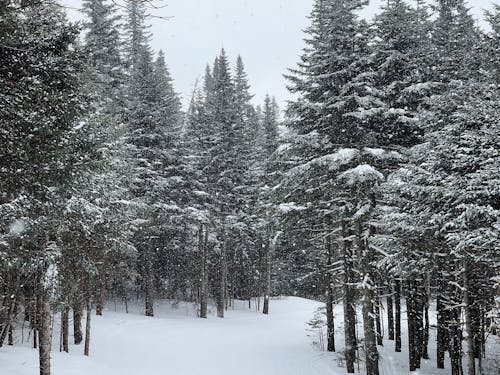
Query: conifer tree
40, 105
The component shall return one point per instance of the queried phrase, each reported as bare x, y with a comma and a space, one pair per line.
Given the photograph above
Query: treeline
383, 183
110, 190
391, 177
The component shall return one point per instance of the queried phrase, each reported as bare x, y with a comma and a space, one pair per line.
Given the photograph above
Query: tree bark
269, 264
426, 328
370, 337
77, 320
203, 243
102, 294
456, 342
6, 325
471, 360
330, 322
441, 332
149, 309
86, 350
378, 324
45, 333
418, 322
10, 341
397, 301
411, 313
348, 302
65, 328
221, 294
368, 291
390, 315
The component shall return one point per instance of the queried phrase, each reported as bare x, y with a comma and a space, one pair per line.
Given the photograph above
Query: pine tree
149, 109
42, 153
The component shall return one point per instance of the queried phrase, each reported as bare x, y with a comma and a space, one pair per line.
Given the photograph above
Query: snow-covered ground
177, 342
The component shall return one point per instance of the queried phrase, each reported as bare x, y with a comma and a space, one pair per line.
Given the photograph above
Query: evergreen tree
42, 152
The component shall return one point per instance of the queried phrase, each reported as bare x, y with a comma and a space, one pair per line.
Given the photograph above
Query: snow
17, 227
361, 174
177, 342
246, 342
286, 208
331, 161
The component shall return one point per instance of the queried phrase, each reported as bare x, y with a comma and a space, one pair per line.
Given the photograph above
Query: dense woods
378, 189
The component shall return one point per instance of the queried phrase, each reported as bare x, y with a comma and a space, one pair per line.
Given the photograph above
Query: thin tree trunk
11, 333
378, 324
77, 320
478, 326
203, 243
441, 332
397, 301
371, 352
10, 341
86, 350
456, 343
410, 313
369, 331
348, 302
330, 323
390, 315
425, 343
418, 322
102, 294
45, 334
65, 328
149, 310
6, 327
471, 360
269, 256
221, 294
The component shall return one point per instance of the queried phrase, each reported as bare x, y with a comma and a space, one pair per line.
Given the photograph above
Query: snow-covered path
178, 343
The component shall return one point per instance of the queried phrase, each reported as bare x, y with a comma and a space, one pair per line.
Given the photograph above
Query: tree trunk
441, 332
149, 310
10, 341
397, 306
102, 293
203, 243
221, 294
348, 301
65, 328
86, 350
478, 327
426, 328
77, 320
6, 325
369, 331
456, 342
269, 264
418, 322
378, 324
330, 322
390, 315
471, 360
369, 292
45, 333
411, 318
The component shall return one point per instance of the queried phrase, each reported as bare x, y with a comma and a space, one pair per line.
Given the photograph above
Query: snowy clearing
177, 342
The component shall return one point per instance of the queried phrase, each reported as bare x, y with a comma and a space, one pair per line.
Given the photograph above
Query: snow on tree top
286, 208
361, 174
17, 227
331, 161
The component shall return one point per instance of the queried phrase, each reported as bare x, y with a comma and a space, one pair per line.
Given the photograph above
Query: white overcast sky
268, 34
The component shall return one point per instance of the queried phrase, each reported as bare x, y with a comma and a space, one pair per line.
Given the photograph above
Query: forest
376, 190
